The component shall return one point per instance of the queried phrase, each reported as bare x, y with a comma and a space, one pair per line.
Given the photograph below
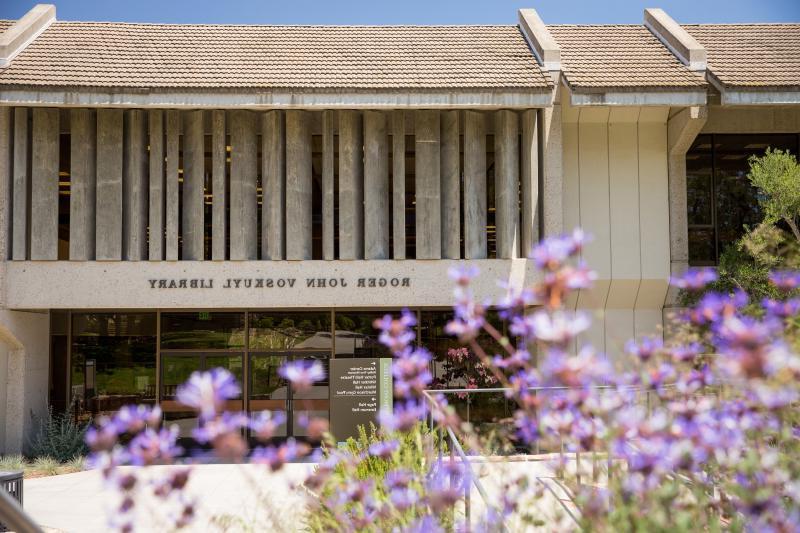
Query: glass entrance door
269, 391
177, 367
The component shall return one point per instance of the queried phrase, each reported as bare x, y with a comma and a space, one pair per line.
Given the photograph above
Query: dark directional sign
359, 388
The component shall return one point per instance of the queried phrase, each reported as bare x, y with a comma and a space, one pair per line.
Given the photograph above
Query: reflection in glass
290, 331
356, 336
202, 330
113, 361
313, 403
268, 390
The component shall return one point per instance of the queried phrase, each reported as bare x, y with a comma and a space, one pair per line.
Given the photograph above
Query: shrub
12, 462
59, 437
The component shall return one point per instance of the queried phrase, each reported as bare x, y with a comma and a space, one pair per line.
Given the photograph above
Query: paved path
235, 498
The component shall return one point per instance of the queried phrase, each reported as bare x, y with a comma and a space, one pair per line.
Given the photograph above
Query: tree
777, 177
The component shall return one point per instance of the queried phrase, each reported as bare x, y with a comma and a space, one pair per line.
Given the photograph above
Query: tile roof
250, 57
751, 55
619, 57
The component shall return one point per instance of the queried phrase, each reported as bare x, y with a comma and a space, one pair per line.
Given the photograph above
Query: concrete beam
544, 46
172, 201
24, 31
136, 191
108, 209
328, 190
451, 186
530, 181
298, 187
351, 186
155, 235
642, 98
376, 186
192, 210
399, 184
682, 130
506, 183
428, 185
685, 47
475, 245
273, 178
21, 185
259, 100
219, 220
83, 184
244, 166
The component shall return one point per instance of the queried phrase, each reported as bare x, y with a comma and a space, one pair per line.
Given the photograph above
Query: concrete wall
615, 186
24, 358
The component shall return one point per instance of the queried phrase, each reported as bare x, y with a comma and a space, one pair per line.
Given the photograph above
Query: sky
408, 11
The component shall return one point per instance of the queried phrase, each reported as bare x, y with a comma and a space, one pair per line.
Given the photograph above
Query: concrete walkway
232, 498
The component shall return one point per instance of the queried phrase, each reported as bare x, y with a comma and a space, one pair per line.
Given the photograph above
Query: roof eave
277, 98
640, 96
747, 95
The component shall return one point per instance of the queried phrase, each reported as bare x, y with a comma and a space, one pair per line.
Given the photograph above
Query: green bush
58, 437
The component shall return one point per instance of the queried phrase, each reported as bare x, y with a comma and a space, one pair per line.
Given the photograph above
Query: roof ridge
244, 25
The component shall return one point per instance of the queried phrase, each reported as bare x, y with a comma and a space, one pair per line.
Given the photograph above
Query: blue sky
408, 11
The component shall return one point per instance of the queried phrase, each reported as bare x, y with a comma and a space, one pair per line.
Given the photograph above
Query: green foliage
418, 449
777, 177
59, 437
12, 462
46, 465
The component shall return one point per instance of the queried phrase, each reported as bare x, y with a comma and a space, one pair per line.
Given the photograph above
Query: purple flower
222, 425
397, 334
714, 307
132, 419
403, 497
266, 423
785, 280
558, 327
401, 477
463, 274
151, 446
445, 486
553, 252
645, 349
207, 392
411, 371
302, 374
686, 353
384, 449
276, 456
776, 308
695, 279
404, 417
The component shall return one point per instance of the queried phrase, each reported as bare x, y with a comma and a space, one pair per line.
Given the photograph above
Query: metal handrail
14, 518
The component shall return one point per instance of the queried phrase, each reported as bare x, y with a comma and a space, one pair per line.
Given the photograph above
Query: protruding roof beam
24, 31
546, 49
685, 47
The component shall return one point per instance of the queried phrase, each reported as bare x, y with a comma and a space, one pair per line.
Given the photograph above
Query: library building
179, 197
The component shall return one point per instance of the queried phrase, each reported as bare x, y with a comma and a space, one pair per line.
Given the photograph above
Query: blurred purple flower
645, 349
265, 423
276, 456
222, 425
207, 392
558, 328
411, 370
782, 309
714, 307
397, 334
404, 417
302, 374
384, 449
463, 274
403, 498
154, 447
553, 252
785, 280
695, 279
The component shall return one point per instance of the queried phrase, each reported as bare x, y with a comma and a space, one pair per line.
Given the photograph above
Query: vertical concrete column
399, 184
156, 213
530, 180
108, 210
6, 179
244, 167
83, 177
193, 186
44, 184
298, 186
219, 227
135, 187
172, 202
451, 186
376, 186
21, 186
551, 171
328, 190
475, 245
351, 186
506, 183
273, 178
428, 185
